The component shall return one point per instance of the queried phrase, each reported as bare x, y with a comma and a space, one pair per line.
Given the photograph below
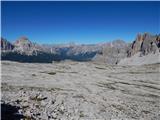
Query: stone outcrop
144, 43
6, 45
144, 50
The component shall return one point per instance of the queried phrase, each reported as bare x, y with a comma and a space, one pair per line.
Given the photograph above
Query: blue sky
79, 22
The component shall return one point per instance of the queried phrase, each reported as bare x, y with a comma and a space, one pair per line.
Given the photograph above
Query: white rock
54, 115
62, 108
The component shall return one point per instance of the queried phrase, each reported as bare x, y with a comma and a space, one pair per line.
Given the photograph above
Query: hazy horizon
79, 22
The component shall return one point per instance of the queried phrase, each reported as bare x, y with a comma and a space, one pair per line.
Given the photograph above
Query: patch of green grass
60, 71
151, 86
55, 89
51, 73
5, 63
73, 72
33, 74
118, 107
27, 118
145, 111
107, 85
81, 114
79, 96
141, 85
152, 95
36, 98
100, 68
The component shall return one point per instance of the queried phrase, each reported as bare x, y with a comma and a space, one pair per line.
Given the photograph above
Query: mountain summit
145, 44
24, 45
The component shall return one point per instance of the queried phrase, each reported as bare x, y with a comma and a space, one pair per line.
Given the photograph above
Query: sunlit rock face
24, 46
144, 50
144, 43
23, 50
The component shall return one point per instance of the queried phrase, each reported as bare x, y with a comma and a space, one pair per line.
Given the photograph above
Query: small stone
20, 111
25, 99
41, 97
53, 101
18, 101
25, 105
55, 110
43, 103
37, 105
54, 115
76, 110
28, 113
62, 108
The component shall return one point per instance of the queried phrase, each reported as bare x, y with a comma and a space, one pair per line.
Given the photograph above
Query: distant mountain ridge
112, 52
23, 50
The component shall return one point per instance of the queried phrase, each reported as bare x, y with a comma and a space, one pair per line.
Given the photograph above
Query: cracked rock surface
81, 91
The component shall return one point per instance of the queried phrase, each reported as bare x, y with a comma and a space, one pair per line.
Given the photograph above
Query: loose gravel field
79, 91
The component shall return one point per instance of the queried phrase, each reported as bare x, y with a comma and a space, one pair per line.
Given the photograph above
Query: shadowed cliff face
5, 45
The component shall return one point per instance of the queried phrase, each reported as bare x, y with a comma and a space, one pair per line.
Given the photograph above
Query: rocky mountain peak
22, 41
23, 44
23, 38
6, 45
144, 43
142, 37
